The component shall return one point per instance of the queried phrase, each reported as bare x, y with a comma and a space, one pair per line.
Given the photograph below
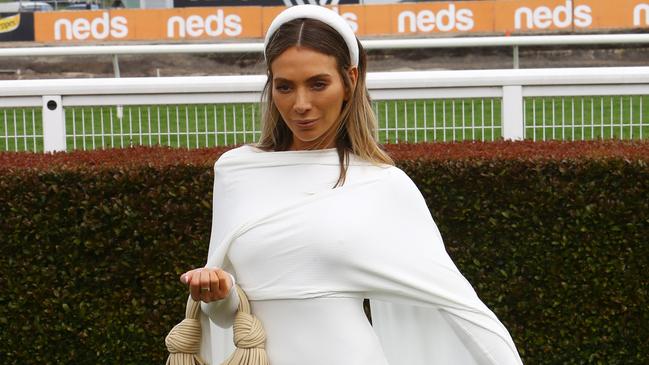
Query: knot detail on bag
184, 340
185, 337
248, 332
249, 336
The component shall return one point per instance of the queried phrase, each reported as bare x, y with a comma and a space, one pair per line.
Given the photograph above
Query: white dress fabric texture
306, 255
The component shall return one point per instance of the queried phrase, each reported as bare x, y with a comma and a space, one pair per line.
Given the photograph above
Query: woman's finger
184, 278
195, 284
214, 285
224, 283
205, 287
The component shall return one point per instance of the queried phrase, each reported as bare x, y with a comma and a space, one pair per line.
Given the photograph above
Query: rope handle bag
183, 341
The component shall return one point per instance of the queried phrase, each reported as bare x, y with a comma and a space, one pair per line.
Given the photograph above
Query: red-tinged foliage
111, 158
166, 156
554, 150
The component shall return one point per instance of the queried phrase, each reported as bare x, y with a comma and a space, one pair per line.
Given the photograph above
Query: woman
315, 218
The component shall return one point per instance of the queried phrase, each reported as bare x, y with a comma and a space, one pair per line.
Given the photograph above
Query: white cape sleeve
217, 342
414, 335
423, 310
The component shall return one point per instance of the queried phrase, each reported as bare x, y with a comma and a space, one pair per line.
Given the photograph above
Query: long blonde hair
356, 130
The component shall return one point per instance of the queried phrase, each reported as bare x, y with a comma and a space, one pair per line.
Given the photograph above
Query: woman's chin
303, 142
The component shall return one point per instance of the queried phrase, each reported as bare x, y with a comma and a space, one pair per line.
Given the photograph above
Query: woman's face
308, 92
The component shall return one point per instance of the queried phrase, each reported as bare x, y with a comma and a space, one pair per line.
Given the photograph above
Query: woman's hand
207, 284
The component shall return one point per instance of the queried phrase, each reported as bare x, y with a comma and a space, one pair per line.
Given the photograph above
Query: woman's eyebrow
319, 76
281, 79
312, 78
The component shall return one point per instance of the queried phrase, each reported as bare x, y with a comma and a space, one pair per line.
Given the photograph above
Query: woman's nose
302, 102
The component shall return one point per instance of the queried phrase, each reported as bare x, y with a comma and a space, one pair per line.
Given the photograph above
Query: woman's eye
282, 88
319, 85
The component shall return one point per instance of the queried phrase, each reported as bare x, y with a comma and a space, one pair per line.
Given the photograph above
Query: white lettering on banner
213, 25
445, 20
81, 28
98, 28
562, 16
583, 19
637, 15
351, 18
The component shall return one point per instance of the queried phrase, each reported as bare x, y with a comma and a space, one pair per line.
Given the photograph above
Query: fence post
512, 113
516, 57
53, 124
116, 66
120, 108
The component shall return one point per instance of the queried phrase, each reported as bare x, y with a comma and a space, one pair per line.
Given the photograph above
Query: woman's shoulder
242, 150
399, 179
236, 153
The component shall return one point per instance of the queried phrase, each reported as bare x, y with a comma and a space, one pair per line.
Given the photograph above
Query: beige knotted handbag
183, 341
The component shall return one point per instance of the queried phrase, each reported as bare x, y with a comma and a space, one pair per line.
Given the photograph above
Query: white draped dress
307, 255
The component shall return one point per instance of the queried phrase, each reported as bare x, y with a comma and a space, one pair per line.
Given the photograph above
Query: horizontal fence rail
419, 106
371, 44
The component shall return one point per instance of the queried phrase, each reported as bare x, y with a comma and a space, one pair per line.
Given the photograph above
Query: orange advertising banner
159, 24
630, 14
79, 26
512, 16
441, 17
495, 17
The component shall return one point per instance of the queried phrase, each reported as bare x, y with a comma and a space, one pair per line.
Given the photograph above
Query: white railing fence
190, 112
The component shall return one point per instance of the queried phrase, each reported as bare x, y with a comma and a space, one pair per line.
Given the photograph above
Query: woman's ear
352, 73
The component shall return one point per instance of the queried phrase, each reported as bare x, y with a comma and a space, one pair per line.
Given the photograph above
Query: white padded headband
322, 14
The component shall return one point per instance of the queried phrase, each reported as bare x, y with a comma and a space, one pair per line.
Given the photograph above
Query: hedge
551, 234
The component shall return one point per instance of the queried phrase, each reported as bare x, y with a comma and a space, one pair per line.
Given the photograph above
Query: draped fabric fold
376, 229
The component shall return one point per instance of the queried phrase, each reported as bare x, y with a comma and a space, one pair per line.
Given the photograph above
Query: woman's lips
305, 123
